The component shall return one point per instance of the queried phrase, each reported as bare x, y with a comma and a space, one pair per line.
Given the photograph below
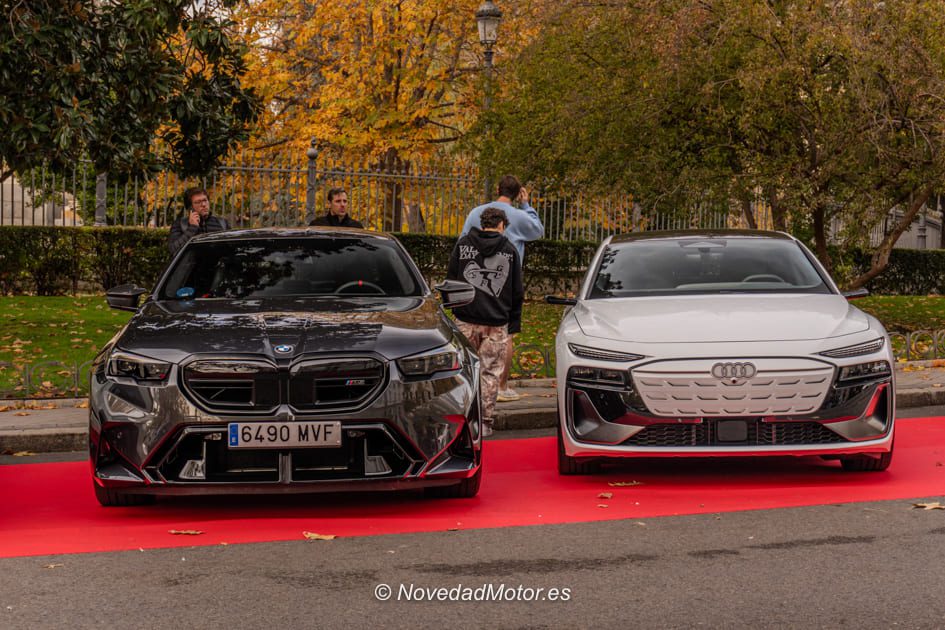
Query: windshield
284, 267
705, 265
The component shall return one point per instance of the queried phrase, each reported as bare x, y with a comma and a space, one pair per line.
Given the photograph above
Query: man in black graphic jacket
488, 261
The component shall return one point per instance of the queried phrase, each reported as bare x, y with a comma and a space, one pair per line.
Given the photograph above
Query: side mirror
855, 294
454, 293
124, 297
557, 299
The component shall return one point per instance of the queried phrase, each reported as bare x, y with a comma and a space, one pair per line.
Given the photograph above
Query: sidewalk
61, 425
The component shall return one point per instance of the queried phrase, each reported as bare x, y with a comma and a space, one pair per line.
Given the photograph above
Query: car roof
678, 234
289, 232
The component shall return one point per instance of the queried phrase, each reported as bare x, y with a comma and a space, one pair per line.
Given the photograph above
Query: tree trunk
820, 237
415, 222
747, 212
778, 215
880, 258
393, 167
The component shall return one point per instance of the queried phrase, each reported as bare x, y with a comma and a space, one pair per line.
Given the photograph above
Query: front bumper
414, 433
613, 421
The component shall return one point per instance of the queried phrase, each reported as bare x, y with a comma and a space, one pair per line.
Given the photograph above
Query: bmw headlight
856, 350
443, 359
143, 369
602, 355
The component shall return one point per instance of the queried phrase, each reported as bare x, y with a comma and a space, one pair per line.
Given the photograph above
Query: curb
44, 441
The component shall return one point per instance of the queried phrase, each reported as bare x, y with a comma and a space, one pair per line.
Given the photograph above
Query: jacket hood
727, 318
391, 327
488, 243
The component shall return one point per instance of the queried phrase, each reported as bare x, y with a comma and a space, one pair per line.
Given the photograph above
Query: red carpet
50, 508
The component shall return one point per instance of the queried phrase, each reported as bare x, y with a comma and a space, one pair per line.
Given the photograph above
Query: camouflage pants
491, 343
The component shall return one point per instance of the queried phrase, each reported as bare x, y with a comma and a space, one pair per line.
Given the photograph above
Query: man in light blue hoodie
523, 225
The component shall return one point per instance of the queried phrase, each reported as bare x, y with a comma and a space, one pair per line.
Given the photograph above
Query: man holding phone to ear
197, 219
524, 225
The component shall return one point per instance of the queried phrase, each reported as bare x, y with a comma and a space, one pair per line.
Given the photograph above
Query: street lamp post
488, 17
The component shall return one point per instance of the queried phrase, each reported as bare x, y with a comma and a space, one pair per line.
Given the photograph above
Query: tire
864, 463
568, 465
465, 489
112, 497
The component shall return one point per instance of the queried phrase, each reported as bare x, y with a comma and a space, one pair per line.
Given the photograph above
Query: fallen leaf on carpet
602, 505
624, 484
605, 495
185, 532
314, 536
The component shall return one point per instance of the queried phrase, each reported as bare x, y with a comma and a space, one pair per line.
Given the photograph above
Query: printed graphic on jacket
490, 278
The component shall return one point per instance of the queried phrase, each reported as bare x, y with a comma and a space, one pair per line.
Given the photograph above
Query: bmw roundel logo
283, 349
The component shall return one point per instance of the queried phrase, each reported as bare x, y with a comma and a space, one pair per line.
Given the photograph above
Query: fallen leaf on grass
624, 484
314, 536
185, 532
23, 454
54, 566
929, 506
605, 495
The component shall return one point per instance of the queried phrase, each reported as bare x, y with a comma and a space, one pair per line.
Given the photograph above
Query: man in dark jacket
488, 261
337, 211
197, 220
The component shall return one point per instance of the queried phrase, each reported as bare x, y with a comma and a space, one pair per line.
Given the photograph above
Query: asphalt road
864, 565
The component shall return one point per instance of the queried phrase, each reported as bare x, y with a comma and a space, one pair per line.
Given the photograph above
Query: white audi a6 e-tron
719, 343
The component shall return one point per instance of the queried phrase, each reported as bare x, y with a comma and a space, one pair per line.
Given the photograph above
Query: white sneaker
486, 430
507, 395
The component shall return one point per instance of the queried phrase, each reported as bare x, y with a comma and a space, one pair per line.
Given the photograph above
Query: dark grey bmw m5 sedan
291, 360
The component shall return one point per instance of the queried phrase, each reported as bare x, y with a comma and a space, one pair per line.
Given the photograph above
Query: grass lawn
52, 335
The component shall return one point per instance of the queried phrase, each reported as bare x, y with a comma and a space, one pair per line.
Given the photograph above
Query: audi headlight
602, 355
137, 367
859, 349
873, 369
442, 359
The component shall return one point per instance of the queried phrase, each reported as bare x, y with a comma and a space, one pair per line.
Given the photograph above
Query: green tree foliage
108, 78
829, 108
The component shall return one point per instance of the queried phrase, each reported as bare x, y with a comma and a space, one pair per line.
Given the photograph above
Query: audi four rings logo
734, 371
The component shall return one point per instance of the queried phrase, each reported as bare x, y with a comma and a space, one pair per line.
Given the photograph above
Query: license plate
276, 434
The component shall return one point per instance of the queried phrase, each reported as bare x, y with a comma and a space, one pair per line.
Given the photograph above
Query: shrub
57, 260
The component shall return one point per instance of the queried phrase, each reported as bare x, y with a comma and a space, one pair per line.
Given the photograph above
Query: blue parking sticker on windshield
234, 435
185, 293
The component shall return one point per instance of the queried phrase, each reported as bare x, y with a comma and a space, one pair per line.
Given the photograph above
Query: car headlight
859, 349
873, 369
442, 359
597, 376
602, 355
137, 367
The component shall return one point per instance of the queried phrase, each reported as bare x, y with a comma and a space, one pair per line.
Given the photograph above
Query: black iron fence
256, 190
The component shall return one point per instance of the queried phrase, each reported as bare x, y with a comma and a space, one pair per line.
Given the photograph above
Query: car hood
391, 327
720, 318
